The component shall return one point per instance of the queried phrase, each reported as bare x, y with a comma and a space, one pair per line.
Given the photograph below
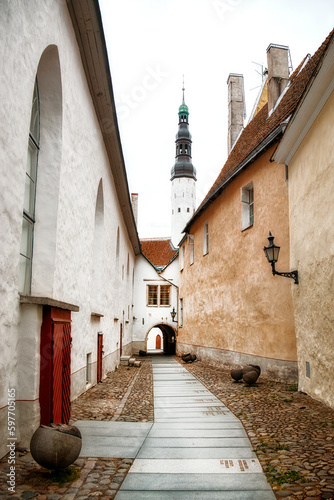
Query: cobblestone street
292, 435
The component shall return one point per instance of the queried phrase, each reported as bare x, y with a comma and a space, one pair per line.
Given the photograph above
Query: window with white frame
206, 238
181, 313
28, 220
192, 244
158, 295
182, 254
247, 199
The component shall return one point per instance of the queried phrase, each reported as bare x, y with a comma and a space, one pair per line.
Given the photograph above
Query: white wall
73, 167
183, 197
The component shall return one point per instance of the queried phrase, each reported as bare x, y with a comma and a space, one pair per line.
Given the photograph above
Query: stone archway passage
167, 338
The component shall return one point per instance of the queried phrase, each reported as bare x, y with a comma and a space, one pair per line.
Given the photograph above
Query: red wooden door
158, 342
55, 370
99, 356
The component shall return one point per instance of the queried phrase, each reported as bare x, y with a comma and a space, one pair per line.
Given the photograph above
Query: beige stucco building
232, 309
307, 148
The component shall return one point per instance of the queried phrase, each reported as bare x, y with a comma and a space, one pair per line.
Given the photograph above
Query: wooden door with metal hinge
55, 367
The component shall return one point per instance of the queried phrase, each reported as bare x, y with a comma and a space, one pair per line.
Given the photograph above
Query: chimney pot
278, 72
236, 108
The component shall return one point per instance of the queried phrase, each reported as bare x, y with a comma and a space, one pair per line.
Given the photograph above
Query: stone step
124, 360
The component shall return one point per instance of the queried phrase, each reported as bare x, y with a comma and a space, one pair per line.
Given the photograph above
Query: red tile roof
159, 251
262, 126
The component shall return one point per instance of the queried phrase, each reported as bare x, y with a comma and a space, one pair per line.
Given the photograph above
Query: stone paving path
196, 447
291, 433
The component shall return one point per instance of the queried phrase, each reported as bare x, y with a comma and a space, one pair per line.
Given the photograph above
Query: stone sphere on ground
56, 447
236, 374
251, 368
186, 357
250, 377
257, 368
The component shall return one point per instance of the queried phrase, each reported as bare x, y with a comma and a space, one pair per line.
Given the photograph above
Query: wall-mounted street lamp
272, 252
173, 314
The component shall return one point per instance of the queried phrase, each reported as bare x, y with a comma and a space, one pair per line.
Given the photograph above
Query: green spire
183, 109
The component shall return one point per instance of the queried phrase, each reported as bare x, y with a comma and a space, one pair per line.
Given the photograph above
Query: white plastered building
66, 222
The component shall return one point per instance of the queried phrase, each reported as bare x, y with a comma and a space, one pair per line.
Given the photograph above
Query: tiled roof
262, 126
159, 251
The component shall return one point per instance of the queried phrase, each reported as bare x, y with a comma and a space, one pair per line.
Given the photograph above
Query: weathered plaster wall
311, 183
232, 303
38, 38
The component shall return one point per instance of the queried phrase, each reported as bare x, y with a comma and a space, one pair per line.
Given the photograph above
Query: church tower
183, 177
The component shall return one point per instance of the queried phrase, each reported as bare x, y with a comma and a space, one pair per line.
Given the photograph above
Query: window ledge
96, 315
47, 301
245, 228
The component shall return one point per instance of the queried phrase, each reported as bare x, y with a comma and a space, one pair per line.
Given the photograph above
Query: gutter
88, 28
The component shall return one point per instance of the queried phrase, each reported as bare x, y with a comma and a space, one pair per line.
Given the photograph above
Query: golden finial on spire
183, 91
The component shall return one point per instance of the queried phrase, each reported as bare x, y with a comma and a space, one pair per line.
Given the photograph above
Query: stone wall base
274, 369
138, 345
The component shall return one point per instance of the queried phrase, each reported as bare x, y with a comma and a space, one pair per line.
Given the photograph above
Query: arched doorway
163, 334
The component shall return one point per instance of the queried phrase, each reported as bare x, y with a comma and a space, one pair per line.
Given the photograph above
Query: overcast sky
153, 43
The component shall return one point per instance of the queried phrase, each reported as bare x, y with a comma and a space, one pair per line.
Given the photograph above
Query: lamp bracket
292, 274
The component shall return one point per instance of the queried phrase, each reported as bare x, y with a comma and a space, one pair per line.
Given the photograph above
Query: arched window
117, 247
117, 258
98, 245
28, 220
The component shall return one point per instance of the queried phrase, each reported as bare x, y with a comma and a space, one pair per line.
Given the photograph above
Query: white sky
152, 43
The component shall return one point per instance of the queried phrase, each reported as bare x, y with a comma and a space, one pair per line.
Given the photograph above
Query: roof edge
90, 39
261, 148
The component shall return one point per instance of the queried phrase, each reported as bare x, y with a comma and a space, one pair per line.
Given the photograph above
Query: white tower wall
183, 205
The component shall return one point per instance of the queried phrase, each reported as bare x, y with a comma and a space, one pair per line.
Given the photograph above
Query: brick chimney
236, 107
134, 203
278, 72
